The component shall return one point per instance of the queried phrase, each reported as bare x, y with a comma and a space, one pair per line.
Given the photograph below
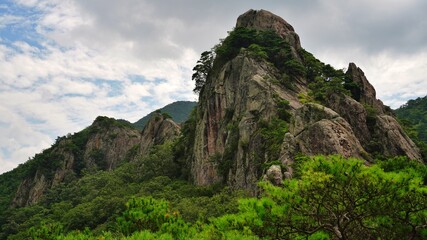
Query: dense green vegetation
260, 45
413, 117
331, 198
178, 111
324, 79
46, 163
95, 200
202, 70
149, 198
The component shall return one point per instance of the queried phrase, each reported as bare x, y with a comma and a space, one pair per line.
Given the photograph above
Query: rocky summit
272, 100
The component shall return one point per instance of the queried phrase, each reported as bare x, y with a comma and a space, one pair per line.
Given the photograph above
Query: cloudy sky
64, 62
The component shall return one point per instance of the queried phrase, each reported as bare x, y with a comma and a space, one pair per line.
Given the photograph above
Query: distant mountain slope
415, 111
179, 111
104, 145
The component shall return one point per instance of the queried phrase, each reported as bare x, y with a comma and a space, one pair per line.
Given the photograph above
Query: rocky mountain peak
366, 92
265, 20
102, 146
158, 129
263, 108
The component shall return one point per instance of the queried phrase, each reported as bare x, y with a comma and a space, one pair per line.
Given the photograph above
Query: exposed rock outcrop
158, 130
319, 130
242, 96
353, 112
30, 190
234, 101
106, 143
393, 139
109, 145
265, 20
366, 93
274, 175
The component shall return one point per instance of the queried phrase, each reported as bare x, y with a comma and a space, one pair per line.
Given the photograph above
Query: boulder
319, 130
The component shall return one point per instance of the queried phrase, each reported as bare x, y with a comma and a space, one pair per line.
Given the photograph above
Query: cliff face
243, 98
102, 146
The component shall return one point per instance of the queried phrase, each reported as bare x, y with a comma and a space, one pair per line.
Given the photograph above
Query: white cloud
8, 19
62, 86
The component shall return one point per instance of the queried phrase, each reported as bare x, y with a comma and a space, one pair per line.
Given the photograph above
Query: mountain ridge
178, 111
265, 99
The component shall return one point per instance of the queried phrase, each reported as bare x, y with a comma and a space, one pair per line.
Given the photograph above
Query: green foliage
231, 45
99, 157
322, 88
225, 161
95, 200
413, 118
160, 162
47, 231
202, 70
179, 111
185, 144
45, 163
329, 198
337, 198
325, 80
374, 146
261, 45
272, 134
283, 109
166, 115
257, 52
415, 111
294, 67
313, 66
306, 98
106, 123
145, 214
286, 81
203, 208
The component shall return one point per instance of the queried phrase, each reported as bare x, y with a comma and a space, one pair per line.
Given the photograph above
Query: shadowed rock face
354, 113
319, 130
393, 140
242, 93
158, 130
234, 101
367, 93
108, 145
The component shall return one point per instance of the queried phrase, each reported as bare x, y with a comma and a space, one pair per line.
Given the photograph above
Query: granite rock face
393, 139
354, 113
319, 130
157, 131
366, 93
107, 145
265, 20
233, 103
243, 94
